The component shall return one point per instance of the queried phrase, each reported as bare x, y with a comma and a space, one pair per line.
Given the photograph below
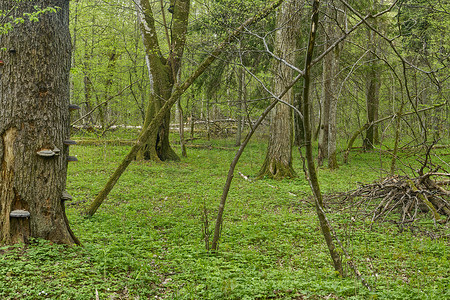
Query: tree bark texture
278, 161
372, 94
240, 106
330, 87
164, 71
34, 116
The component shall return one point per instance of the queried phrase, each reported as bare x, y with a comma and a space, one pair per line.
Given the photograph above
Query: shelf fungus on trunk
46, 153
69, 142
66, 196
73, 107
49, 152
18, 213
56, 151
20, 226
72, 158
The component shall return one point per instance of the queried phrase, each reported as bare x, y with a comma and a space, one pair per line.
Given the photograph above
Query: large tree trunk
278, 161
328, 130
34, 116
372, 94
163, 71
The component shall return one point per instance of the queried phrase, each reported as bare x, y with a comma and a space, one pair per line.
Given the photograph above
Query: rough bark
372, 95
324, 114
299, 136
278, 161
330, 87
34, 115
163, 71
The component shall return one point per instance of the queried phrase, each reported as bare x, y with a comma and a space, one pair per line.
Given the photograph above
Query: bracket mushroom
73, 107
66, 196
48, 152
19, 213
69, 142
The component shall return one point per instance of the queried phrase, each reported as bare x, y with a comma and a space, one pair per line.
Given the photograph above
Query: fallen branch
404, 196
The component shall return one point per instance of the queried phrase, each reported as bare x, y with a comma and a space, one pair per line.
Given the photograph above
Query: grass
146, 240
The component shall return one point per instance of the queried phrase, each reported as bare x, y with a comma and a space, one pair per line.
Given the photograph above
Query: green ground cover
147, 239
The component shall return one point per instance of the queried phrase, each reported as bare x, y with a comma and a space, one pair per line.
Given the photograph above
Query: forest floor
147, 240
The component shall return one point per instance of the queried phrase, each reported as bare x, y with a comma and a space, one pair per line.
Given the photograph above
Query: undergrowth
147, 240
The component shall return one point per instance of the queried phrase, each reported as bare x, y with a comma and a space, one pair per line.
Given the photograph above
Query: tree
152, 128
372, 93
164, 72
34, 124
278, 161
330, 90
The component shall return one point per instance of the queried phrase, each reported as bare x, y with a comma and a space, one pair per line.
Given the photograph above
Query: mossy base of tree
332, 162
149, 152
276, 170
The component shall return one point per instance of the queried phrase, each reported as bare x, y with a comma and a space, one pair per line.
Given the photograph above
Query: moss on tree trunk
278, 162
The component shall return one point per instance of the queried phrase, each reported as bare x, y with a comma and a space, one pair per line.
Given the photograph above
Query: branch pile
405, 197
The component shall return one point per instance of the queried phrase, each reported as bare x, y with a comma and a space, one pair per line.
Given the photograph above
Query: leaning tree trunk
278, 161
34, 124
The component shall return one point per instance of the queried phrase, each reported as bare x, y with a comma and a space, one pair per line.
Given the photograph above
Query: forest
224, 149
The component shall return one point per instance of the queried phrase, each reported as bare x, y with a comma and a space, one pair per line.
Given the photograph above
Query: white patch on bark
8, 142
6, 182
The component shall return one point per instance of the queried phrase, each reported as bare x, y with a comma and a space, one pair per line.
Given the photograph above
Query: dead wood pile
404, 198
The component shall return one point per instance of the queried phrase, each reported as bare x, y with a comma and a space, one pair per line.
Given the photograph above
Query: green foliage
108, 58
423, 25
147, 239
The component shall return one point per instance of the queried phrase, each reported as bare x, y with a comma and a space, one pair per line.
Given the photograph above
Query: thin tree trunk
103, 109
208, 125
313, 180
298, 123
181, 131
240, 106
324, 112
87, 81
192, 116
398, 123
